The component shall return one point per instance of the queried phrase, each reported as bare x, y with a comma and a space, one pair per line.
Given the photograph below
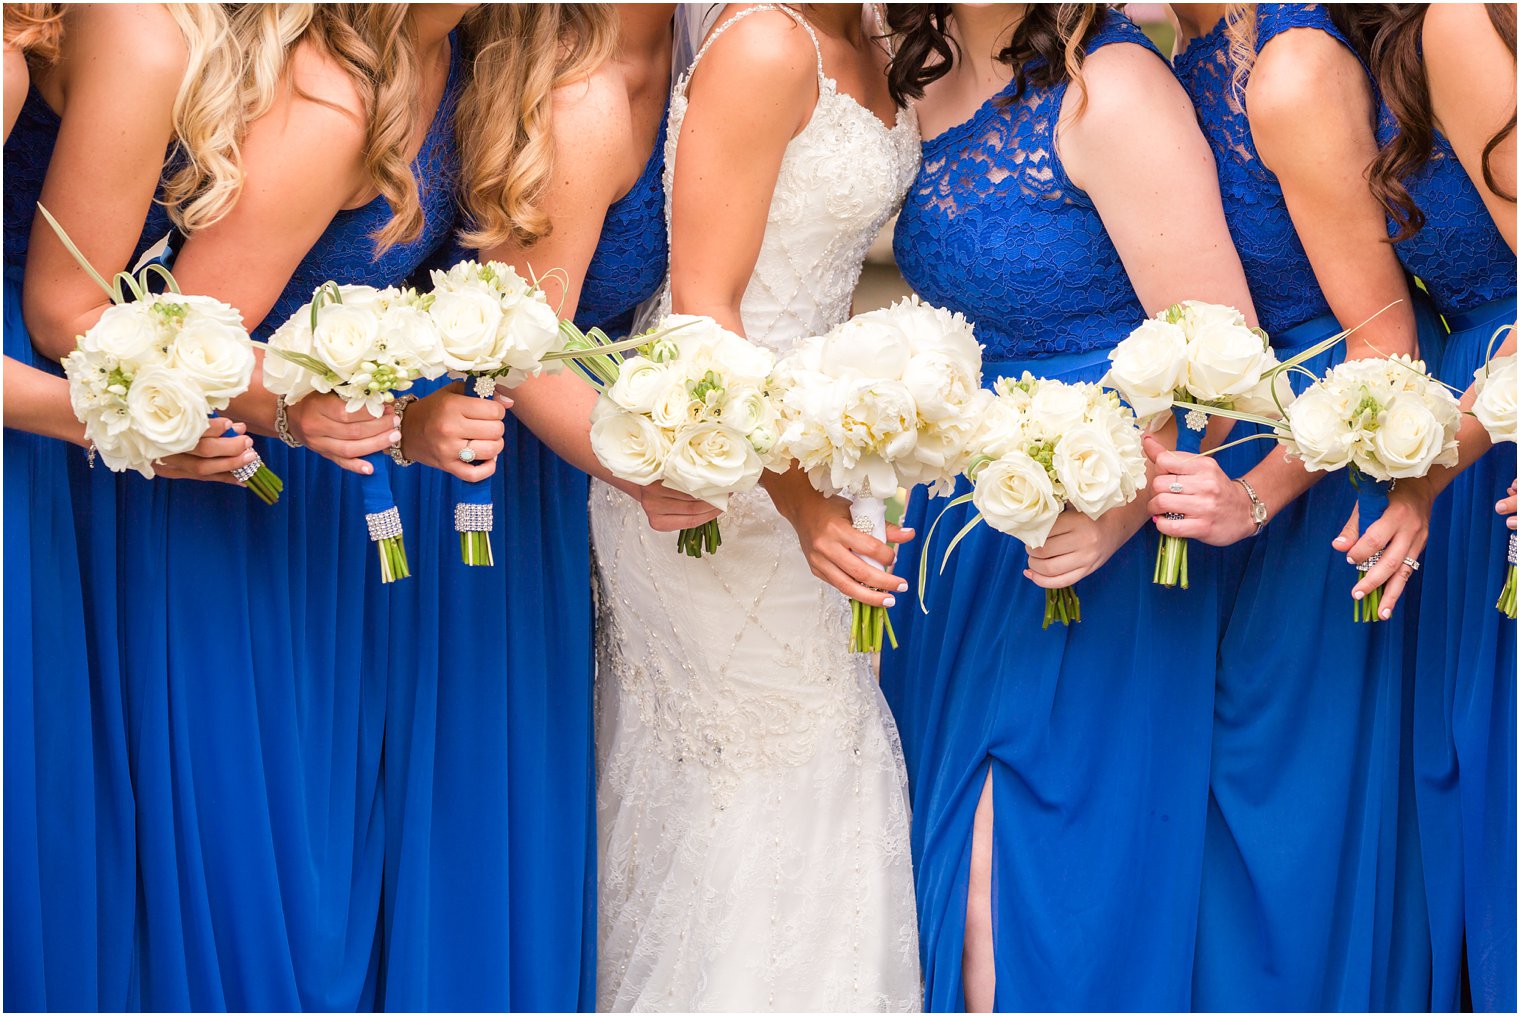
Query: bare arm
17, 81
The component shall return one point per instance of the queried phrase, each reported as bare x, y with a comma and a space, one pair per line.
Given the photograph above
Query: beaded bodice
1282, 283
992, 227
842, 176
631, 254
346, 253
1459, 253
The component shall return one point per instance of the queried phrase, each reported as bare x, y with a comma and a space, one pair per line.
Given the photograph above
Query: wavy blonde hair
34, 30
521, 54
206, 174
375, 45
1240, 33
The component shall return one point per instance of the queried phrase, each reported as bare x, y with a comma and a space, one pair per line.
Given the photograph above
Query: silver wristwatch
394, 451
1258, 510
282, 422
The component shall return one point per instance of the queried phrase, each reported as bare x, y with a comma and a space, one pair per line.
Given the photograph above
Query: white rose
1494, 405
1015, 496
409, 338
532, 330
132, 333
1319, 420
711, 461
1089, 469
630, 446
866, 347
166, 410
1409, 438
469, 321
214, 356
344, 337
1260, 401
1148, 367
1197, 315
282, 376
1056, 408
673, 406
1224, 360
639, 384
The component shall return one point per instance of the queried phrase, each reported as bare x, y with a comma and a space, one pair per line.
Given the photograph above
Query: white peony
1494, 399
867, 346
940, 384
711, 461
1148, 367
1014, 495
629, 445
1092, 475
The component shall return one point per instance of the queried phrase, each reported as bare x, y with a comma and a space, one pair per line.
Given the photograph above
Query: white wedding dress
752, 805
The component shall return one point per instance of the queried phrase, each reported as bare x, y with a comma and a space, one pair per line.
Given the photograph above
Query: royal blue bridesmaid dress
491, 866
256, 665
1303, 900
1464, 674
69, 861
1096, 736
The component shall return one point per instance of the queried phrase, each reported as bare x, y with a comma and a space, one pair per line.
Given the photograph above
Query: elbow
53, 331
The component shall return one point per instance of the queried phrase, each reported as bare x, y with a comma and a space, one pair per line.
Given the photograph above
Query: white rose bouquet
1383, 419
1044, 446
889, 399
497, 328
363, 345
691, 409
1190, 360
1494, 386
146, 376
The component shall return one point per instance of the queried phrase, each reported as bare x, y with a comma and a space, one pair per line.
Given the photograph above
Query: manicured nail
504, 400
249, 457
902, 587
366, 468
1356, 595
395, 437
890, 601
241, 428
1387, 612
1499, 507
1350, 559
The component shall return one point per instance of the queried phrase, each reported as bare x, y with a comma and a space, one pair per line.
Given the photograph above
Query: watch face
1258, 513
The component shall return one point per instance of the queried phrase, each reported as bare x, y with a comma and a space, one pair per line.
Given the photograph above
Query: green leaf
310, 363
74, 251
923, 557
1232, 414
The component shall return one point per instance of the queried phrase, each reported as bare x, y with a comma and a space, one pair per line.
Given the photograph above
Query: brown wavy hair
1388, 38
1056, 34
376, 46
36, 30
519, 55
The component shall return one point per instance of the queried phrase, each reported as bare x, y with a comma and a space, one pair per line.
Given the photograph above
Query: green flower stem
1365, 610
393, 564
1062, 605
1172, 562
266, 486
699, 540
867, 626
1507, 597
475, 549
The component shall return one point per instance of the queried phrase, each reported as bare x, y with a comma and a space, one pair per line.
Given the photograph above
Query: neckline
977, 116
1199, 43
655, 159
898, 122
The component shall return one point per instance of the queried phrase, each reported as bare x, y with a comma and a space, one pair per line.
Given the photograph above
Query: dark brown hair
1388, 38
1058, 34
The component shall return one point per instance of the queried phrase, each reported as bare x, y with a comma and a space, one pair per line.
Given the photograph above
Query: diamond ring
466, 454
1412, 563
1176, 485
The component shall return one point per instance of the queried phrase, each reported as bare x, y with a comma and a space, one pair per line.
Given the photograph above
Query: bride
754, 839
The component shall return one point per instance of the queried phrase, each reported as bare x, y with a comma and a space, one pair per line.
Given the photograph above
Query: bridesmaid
1300, 908
491, 868
69, 827
258, 710
1446, 173
1059, 776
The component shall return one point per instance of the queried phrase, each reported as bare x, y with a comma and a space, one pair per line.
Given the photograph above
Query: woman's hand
1399, 536
1216, 510
670, 511
1076, 547
1506, 506
831, 542
438, 427
223, 448
322, 424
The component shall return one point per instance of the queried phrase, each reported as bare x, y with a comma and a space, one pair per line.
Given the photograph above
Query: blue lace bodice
992, 227
345, 252
632, 253
1459, 253
1282, 283
28, 151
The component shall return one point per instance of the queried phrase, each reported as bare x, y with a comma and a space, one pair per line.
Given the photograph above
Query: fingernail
902, 587
366, 468
1356, 595
249, 457
1499, 506
241, 428
1350, 559
504, 400
890, 601
395, 437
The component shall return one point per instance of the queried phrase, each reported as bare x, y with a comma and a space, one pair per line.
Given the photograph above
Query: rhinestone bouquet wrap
1494, 393
1507, 595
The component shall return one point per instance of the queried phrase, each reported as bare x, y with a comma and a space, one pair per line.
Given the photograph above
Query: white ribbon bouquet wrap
888, 399
1494, 405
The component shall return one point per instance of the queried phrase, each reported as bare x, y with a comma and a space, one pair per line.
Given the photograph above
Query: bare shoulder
1294, 74
319, 95
1114, 75
593, 107
1451, 30
142, 39
767, 45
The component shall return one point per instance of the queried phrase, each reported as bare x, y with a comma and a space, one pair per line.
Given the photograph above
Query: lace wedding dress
754, 827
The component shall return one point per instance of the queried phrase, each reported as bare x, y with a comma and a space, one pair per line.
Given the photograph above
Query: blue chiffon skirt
1096, 737
1309, 897
1464, 728
68, 837
491, 850
254, 644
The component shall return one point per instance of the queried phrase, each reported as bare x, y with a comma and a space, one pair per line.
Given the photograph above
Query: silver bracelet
282, 422
395, 452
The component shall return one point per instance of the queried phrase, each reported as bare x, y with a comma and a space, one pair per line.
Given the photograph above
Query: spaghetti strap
817, 49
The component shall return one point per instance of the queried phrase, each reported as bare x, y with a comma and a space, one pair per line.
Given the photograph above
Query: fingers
899, 534
1186, 528
1506, 506
1390, 562
481, 469
328, 419
830, 573
1373, 540
221, 447
866, 545
481, 409
1058, 580
1347, 539
663, 523
504, 396
1168, 461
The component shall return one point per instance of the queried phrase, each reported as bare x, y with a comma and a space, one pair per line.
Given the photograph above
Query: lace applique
992, 227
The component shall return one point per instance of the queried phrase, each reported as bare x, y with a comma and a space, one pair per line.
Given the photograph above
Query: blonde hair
207, 167
34, 30
1240, 31
522, 53
372, 43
